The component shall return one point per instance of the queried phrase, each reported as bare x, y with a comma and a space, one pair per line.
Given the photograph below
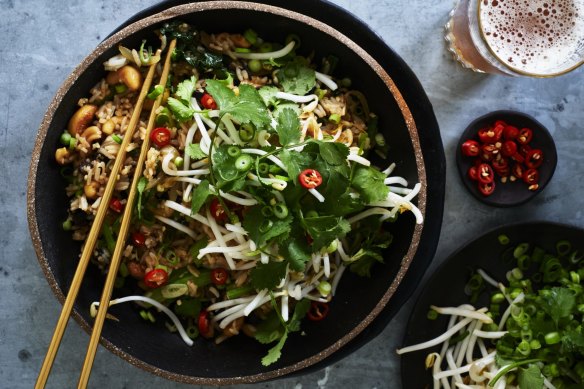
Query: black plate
446, 286
135, 340
511, 193
431, 142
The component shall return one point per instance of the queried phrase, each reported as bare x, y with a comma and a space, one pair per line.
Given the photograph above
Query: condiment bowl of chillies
505, 158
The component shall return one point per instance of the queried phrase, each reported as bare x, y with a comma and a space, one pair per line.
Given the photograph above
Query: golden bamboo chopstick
92, 237
124, 227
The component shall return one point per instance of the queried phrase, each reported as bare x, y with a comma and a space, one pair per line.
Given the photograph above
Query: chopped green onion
267, 211
266, 225
335, 118
563, 247
120, 88
192, 331
179, 162
497, 298
67, 225
523, 348
263, 168
320, 93
242, 50
535, 344
552, 338
247, 132
503, 239
117, 138
123, 270
72, 143
233, 151
575, 277
432, 315
156, 91
65, 138
243, 162
251, 36
163, 117
144, 314
280, 210
576, 257
254, 65
524, 262
324, 288
520, 250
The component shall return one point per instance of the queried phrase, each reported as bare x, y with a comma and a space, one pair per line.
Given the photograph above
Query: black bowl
510, 193
446, 286
160, 352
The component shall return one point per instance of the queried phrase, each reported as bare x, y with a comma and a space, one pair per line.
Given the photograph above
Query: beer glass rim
512, 68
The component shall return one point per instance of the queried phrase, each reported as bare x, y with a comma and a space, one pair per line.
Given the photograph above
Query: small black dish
510, 193
446, 286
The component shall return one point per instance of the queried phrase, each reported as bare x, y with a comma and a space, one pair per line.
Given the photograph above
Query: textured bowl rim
178, 11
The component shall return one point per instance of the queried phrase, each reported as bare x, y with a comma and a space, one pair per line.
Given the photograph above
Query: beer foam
540, 37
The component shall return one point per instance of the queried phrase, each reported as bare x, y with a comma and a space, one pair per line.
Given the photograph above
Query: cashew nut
81, 119
112, 78
108, 127
91, 190
131, 77
63, 156
91, 134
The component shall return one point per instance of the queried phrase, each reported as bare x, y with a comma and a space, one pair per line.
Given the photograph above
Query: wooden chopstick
121, 242
93, 236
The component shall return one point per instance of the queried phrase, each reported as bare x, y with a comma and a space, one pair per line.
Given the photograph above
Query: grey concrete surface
41, 41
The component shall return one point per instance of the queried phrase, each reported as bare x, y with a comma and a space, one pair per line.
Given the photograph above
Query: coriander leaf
300, 311
364, 260
573, 341
297, 78
325, 229
194, 151
262, 229
275, 352
268, 95
282, 106
369, 183
248, 107
180, 110
228, 81
185, 90
295, 248
223, 96
333, 153
288, 127
295, 163
199, 196
269, 275
558, 303
224, 165
270, 329
530, 378
142, 183
189, 307
342, 205
196, 247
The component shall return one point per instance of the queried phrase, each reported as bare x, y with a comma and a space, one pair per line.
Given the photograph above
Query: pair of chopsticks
95, 231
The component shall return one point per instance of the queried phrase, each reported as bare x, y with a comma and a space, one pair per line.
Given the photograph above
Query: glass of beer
536, 38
